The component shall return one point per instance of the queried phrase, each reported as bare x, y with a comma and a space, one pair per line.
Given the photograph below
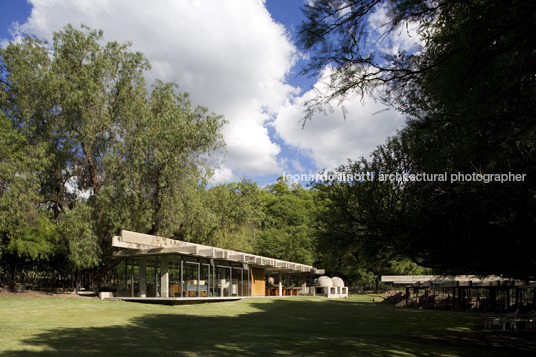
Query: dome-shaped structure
338, 282
323, 281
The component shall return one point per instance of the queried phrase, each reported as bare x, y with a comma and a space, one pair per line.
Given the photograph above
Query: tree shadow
280, 327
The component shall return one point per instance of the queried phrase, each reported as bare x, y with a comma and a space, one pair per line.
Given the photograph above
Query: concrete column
280, 284
303, 285
164, 277
143, 277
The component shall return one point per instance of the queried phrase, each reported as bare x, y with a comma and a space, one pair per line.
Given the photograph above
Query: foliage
116, 156
162, 162
469, 93
25, 229
354, 242
225, 216
345, 47
78, 237
37, 240
288, 227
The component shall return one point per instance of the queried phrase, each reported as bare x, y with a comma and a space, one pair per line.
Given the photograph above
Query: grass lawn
300, 326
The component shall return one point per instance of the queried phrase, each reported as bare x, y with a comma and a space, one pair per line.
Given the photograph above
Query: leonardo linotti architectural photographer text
406, 177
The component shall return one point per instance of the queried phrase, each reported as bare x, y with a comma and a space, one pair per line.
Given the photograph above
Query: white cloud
229, 54
331, 139
233, 58
404, 38
245, 140
223, 175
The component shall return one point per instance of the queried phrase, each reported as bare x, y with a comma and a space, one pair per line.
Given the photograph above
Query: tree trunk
95, 183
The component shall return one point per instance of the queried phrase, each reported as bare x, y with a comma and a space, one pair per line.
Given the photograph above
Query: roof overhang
450, 281
140, 245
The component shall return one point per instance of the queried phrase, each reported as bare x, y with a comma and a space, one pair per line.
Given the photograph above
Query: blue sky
236, 57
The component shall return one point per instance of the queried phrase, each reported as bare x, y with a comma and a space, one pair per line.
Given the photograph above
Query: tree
363, 222
486, 125
225, 216
288, 228
79, 238
468, 93
344, 47
25, 228
163, 160
453, 36
72, 99
115, 155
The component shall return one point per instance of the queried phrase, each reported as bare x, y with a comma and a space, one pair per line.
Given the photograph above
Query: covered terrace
465, 292
153, 268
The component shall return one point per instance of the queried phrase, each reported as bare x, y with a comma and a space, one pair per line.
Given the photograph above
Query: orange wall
258, 283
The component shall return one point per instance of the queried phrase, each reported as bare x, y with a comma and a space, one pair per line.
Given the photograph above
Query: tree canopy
288, 227
86, 149
468, 93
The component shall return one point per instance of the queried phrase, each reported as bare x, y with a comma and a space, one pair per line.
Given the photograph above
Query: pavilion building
465, 292
156, 268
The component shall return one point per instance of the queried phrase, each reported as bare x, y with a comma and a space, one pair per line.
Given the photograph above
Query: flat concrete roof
139, 245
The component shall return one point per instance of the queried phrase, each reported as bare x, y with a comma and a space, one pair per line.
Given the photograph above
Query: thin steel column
126, 276
198, 278
132, 279
182, 278
156, 284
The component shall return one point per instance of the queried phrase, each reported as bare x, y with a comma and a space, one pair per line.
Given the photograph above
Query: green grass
299, 326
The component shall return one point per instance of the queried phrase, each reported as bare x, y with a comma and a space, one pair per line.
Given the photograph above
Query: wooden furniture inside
174, 290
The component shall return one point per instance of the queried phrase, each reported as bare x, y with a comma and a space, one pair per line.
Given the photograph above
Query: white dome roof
338, 282
323, 281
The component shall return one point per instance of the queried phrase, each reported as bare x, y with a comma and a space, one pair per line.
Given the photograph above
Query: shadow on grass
282, 327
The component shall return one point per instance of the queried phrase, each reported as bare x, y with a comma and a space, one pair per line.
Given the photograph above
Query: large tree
116, 155
469, 94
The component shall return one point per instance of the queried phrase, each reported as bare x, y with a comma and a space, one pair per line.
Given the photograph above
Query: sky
238, 58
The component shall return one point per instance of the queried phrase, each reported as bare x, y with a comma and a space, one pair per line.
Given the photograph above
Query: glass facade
186, 277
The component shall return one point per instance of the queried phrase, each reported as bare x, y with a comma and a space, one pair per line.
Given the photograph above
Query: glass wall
205, 283
191, 281
223, 281
237, 282
187, 277
174, 271
128, 278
